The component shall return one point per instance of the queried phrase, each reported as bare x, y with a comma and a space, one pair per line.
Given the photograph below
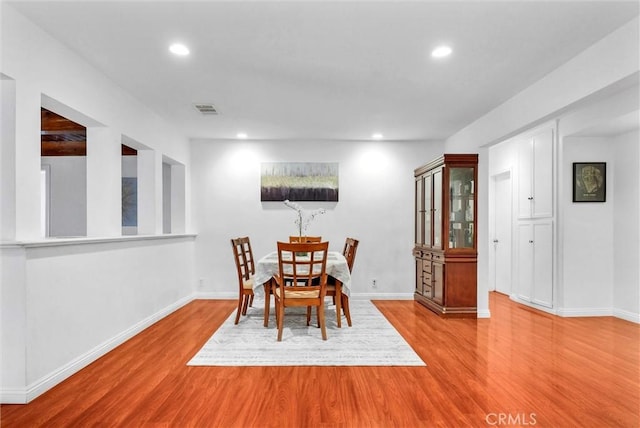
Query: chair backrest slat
243, 256
349, 252
303, 239
303, 264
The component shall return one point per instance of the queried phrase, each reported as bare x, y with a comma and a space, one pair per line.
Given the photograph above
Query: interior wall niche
173, 196
166, 197
129, 190
63, 149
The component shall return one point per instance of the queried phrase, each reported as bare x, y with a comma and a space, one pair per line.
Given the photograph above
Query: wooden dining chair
246, 268
301, 281
303, 239
334, 287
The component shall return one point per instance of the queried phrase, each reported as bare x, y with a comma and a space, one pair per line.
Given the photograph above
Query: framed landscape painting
299, 181
589, 181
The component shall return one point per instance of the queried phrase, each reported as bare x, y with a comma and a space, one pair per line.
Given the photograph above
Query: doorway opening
500, 223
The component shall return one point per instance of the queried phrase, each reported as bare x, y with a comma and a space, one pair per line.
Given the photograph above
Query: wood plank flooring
519, 368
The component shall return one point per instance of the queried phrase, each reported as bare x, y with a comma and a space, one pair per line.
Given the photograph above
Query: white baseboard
600, 312
13, 396
215, 295
381, 296
23, 396
585, 312
485, 313
626, 315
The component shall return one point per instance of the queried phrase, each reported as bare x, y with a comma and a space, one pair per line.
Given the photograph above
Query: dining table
337, 267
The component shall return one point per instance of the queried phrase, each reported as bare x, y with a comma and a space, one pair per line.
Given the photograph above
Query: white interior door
502, 218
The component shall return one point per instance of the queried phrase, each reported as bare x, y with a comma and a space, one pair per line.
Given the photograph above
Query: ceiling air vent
206, 108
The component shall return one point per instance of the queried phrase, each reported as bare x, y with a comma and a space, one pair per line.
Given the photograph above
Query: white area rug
372, 341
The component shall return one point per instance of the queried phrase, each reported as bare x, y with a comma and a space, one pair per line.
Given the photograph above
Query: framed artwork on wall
299, 181
589, 181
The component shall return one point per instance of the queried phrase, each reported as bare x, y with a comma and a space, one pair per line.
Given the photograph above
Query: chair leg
239, 311
267, 302
338, 303
245, 303
321, 320
251, 301
280, 312
308, 315
345, 307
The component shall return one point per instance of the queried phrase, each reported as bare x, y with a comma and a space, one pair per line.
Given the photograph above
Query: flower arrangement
304, 219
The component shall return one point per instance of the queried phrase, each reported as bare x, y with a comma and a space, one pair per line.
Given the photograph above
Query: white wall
376, 192
587, 233
626, 229
89, 98
612, 64
7, 157
598, 253
116, 293
65, 303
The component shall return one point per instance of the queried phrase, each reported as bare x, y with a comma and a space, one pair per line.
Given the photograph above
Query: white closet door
542, 202
524, 177
542, 293
524, 266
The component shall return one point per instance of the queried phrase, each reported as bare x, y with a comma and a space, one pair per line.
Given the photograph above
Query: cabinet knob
530, 198
495, 241
530, 241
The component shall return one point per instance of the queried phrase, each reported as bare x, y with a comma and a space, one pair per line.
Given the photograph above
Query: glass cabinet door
437, 208
427, 209
461, 207
419, 237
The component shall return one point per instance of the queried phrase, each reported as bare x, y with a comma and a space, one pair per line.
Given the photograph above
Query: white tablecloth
336, 267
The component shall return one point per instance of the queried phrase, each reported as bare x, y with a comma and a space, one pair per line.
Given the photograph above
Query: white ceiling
327, 70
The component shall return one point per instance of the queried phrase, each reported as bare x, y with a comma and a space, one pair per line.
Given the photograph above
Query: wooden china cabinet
445, 251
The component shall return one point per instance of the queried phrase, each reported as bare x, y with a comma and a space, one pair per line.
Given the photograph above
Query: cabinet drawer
426, 267
438, 257
427, 291
426, 278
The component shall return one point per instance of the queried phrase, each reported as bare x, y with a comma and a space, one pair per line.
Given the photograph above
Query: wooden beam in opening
128, 151
60, 136
63, 148
50, 121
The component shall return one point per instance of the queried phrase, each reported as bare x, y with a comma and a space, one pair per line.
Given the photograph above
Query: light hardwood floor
521, 367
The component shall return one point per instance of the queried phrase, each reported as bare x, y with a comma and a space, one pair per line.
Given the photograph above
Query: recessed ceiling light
441, 52
241, 135
377, 136
179, 49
